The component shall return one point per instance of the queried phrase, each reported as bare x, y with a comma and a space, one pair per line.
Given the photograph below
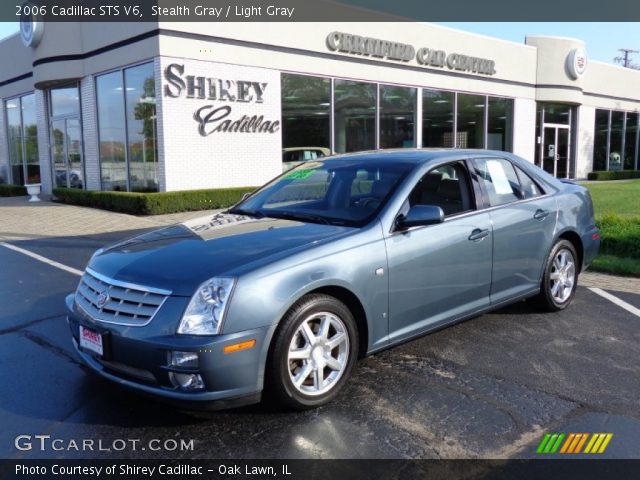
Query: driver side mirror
420, 215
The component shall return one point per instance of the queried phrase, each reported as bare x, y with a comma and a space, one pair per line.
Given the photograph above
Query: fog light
186, 381
184, 359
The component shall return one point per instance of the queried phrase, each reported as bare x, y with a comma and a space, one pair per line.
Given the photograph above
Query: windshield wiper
246, 212
300, 216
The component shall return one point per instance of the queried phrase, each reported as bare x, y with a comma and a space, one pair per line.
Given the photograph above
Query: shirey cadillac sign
221, 94
403, 52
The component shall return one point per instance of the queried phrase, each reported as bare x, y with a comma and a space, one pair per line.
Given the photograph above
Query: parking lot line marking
612, 298
53, 263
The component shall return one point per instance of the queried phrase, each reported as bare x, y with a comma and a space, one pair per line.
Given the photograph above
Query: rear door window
529, 188
499, 179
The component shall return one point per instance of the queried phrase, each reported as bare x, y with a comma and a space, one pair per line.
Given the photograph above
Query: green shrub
614, 175
152, 203
620, 235
8, 190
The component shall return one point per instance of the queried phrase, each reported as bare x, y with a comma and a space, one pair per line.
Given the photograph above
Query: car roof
418, 155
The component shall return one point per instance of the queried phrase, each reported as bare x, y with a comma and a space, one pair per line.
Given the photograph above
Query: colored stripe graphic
543, 443
565, 447
581, 443
606, 442
573, 443
555, 447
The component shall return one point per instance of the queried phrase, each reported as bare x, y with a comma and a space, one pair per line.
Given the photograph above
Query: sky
602, 39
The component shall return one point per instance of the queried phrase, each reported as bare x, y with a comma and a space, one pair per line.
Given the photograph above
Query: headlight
206, 309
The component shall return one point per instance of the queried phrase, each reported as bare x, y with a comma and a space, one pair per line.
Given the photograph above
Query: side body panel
437, 274
522, 235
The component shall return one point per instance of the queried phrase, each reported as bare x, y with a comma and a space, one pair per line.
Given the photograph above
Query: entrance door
66, 148
555, 151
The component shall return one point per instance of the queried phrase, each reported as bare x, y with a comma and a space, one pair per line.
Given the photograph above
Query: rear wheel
314, 351
560, 277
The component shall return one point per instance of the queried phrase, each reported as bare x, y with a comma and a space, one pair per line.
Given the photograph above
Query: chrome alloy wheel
563, 276
318, 353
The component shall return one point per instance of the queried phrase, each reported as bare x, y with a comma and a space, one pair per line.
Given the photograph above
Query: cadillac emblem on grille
102, 299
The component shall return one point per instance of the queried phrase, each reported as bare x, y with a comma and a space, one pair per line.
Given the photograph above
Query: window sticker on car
499, 178
300, 174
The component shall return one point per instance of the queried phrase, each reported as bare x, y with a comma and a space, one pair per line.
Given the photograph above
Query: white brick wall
585, 136
90, 133
221, 159
44, 152
524, 128
4, 146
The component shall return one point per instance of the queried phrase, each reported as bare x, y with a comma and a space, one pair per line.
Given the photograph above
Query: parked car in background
334, 260
294, 156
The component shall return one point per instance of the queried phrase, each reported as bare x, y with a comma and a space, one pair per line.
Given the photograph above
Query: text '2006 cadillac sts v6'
338, 258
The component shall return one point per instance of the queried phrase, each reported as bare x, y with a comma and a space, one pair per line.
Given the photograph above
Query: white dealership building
176, 106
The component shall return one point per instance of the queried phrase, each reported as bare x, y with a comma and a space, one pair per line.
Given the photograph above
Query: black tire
549, 299
279, 384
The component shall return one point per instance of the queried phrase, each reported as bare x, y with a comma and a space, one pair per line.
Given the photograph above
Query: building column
524, 131
585, 134
90, 141
160, 126
44, 148
4, 146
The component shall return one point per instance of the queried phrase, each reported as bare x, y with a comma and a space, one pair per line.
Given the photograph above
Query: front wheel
314, 351
560, 277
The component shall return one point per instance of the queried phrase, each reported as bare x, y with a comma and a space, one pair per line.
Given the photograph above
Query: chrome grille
111, 301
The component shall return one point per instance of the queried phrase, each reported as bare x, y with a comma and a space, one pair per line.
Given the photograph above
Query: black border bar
323, 10
185, 469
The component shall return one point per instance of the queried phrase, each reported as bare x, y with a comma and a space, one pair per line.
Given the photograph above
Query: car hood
180, 257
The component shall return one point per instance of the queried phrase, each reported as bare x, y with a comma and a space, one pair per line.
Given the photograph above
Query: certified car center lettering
214, 118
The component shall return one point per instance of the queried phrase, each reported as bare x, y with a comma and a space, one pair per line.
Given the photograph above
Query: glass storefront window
127, 129
557, 113
111, 131
437, 118
600, 140
355, 116
615, 141
397, 116
500, 122
22, 135
470, 121
630, 147
306, 118
30, 138
141, 128
64, 101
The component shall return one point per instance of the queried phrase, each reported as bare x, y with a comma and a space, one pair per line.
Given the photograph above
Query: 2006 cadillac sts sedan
335, 259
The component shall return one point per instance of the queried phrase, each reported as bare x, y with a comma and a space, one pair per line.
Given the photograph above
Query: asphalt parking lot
490, 387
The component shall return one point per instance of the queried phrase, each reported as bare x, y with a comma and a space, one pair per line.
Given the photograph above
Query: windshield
339, 191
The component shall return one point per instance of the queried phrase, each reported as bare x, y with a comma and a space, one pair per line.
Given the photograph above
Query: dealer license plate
91, 340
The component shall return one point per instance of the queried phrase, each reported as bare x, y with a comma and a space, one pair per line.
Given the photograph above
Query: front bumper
143, 364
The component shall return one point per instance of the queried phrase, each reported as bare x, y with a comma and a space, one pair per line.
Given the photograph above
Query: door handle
478, 234
541, 214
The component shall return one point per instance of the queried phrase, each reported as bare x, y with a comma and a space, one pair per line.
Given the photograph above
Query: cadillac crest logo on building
577, 62
31, 25
102, 300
